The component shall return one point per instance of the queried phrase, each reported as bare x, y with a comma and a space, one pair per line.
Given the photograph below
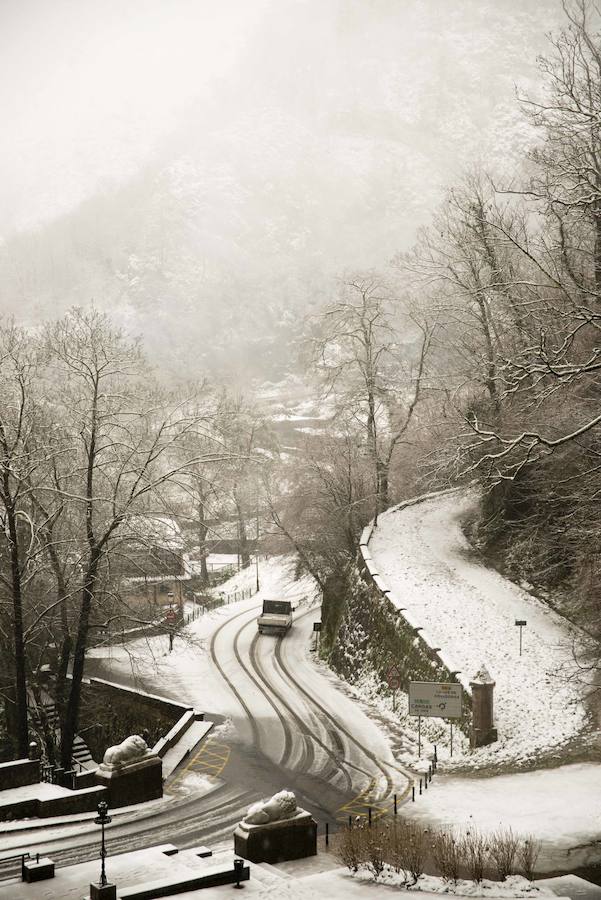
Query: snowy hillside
470, 612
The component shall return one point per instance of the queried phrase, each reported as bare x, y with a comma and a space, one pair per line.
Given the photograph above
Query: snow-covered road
279, 704
423, 556
469, 610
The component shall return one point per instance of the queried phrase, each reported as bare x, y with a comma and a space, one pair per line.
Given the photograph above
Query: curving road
289, 725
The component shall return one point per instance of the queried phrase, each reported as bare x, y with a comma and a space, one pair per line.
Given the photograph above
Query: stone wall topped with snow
429, 647
464, 615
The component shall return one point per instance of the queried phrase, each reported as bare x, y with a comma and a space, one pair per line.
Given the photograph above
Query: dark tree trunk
243, 547
74, 701
597, 252
22, 733
203, 529
243, 543
65, 651
47, 729
383, 488
61, 677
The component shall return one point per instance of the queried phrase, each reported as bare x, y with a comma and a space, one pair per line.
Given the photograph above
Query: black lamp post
102, 819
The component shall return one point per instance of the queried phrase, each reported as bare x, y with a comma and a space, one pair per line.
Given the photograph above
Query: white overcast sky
89, 88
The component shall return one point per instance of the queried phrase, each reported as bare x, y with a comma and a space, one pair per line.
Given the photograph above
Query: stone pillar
483, 730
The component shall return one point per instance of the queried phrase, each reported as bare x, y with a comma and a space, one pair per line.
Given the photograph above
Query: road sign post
317, 632
393, 677
521, 623
442, 700
170, 621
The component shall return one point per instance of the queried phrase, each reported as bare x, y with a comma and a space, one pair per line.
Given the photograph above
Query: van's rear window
278, 607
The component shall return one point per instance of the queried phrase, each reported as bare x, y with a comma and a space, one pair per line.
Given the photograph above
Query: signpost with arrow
170, 618
441, 700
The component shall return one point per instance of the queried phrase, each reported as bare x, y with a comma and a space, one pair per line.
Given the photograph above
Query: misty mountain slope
320, 152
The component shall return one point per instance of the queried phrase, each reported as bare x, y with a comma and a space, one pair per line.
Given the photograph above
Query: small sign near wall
316, 626
393, 677
521, 623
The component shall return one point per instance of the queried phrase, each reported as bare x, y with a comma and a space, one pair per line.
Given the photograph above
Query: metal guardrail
22, 857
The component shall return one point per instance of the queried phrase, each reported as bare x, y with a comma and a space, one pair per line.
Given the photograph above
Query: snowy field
469, 610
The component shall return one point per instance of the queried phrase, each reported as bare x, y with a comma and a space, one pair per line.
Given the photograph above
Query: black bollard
420, 785
395, 805
238, 866
327, 834
369, 816
350, 822
413, 794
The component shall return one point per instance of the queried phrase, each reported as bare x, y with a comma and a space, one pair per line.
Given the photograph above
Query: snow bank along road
470, 611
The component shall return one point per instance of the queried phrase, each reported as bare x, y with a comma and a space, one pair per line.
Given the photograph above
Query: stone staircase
82, 758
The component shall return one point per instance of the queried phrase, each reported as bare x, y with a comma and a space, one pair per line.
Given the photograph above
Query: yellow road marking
206, 759
359, 806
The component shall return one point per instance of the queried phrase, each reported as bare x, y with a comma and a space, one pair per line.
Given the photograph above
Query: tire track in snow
253, 724
269, 692
214, 821
337, 762
382, 766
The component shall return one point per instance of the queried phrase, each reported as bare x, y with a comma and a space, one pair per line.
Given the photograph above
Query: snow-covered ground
316, 879
558, 806
188, 674
469, 610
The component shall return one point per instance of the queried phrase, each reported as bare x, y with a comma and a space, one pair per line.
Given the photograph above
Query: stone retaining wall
407, 622
18, 773
46, 808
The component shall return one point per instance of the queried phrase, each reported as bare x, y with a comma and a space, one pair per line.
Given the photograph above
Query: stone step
214, 875
268, 874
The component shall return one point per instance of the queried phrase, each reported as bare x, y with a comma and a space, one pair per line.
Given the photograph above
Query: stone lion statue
280, 806
130, 750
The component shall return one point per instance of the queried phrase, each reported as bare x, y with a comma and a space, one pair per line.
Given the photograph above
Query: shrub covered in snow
396, 851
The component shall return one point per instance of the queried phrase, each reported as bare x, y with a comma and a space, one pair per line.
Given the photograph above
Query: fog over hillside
207, 175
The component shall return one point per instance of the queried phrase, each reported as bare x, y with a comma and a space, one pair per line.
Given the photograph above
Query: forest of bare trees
474, 358
512, 268
90, 445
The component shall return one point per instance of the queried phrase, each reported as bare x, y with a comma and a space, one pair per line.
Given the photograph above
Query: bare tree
369, 373
320, 500
243, 429
125, 431
23, 452
472, 277
567, 163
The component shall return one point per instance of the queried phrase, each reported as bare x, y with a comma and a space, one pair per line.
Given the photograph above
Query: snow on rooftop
469, 611
156, 530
